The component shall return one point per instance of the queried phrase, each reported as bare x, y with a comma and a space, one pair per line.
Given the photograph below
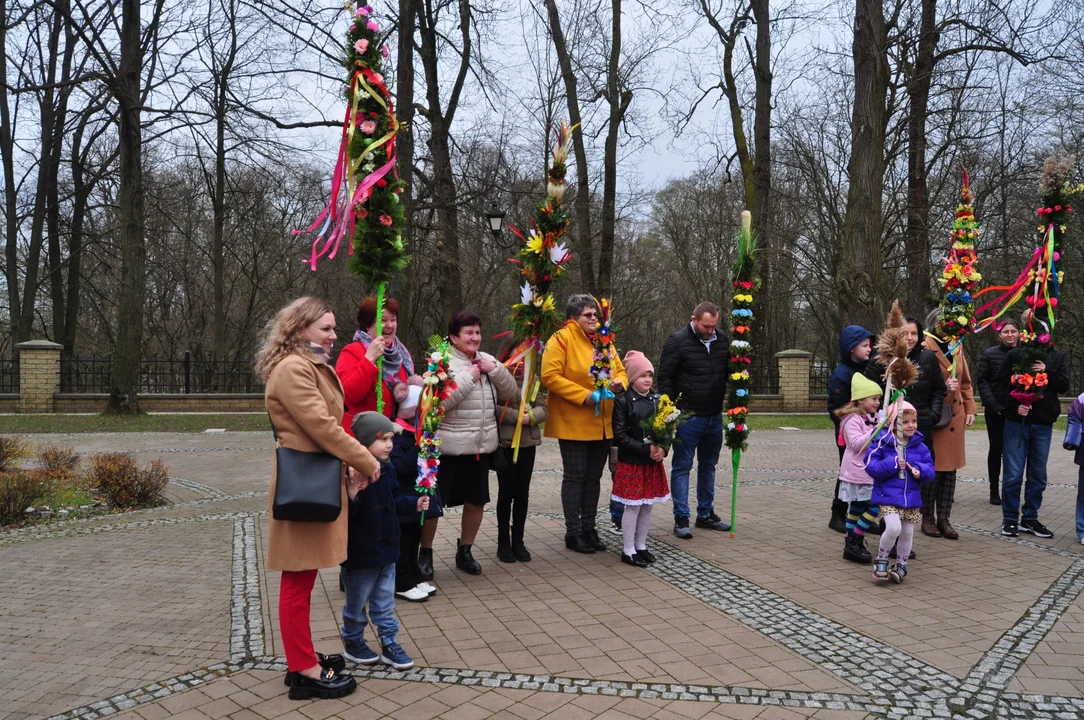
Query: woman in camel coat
304, 400
948, 442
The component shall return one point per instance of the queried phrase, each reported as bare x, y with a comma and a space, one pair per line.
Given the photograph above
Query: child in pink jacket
858, 420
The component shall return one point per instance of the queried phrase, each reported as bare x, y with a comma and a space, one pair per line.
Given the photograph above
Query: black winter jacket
927, 393
688, 369
1047, 410
989, 364
631, 409
373, 536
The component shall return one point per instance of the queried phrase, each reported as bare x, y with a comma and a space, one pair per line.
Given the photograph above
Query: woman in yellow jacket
584, 437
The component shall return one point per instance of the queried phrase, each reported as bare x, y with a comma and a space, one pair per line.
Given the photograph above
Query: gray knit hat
367, 424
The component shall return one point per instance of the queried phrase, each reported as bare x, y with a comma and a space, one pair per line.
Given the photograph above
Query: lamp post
496, 220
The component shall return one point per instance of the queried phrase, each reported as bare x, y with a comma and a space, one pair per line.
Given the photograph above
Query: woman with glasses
584, 435
1008, 335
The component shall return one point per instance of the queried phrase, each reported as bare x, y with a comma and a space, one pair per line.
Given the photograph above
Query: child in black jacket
373, 549
639, 478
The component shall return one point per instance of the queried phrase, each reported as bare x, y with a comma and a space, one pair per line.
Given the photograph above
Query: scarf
320, 353
395, 356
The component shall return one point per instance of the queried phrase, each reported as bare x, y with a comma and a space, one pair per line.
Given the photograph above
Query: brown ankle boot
946, 530
929, 526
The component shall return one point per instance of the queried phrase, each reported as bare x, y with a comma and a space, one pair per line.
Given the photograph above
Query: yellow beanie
862, 387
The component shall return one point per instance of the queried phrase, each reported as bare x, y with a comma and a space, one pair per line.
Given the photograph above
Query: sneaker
414, 594
898, 573
681, 527
615, 527
880, 568
426, 587
393, 655
712, 522
1010, 529
1036, 528
360, 653
1082, 541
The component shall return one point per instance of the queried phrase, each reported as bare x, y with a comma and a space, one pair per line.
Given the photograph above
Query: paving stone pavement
169, 612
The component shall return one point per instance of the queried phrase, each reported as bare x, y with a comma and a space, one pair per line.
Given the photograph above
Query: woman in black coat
927, 393
1008, 335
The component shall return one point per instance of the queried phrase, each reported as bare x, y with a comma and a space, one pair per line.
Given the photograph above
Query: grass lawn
28, 424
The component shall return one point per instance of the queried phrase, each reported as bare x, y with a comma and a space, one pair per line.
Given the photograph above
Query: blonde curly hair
282, 335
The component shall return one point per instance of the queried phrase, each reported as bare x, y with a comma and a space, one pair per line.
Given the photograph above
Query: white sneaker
429, 589
414, 594
615, 529
1082, 541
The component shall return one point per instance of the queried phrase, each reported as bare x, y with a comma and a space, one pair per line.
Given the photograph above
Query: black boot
995, 496
579, 544
465, 561
591, 537
504, 546
839, 516
518, 548
425, 563
854, 549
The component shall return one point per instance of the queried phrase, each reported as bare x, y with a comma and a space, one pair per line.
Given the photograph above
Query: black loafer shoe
330, 684
646, 555
634, 560
578, 544
327, 662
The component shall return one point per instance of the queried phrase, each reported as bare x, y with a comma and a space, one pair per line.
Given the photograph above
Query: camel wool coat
948, 442
305, 402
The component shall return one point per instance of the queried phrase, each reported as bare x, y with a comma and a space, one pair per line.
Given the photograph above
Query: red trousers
295, 596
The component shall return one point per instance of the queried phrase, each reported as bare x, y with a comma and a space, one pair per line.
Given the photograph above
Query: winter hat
409, 405
367, 425
862, 387
905, 407
637, 364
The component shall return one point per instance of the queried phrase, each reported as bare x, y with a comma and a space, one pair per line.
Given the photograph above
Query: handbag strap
273, 430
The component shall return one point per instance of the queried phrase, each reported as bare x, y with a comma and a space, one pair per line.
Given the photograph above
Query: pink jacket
856, 429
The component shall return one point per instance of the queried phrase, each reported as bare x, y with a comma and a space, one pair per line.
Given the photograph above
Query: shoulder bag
308, 485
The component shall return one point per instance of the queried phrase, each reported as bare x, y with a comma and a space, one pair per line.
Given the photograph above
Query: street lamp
496, 220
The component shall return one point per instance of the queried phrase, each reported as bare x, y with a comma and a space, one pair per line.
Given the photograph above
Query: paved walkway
169, 613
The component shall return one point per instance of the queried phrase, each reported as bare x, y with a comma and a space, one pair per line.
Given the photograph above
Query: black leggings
513, 492
995, 431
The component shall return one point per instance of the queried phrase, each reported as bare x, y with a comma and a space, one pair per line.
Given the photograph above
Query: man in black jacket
1027, 439
694, 366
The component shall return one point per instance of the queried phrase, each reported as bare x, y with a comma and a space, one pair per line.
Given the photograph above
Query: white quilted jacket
470, 422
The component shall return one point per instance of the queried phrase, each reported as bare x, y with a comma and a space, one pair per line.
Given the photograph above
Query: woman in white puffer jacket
469, 431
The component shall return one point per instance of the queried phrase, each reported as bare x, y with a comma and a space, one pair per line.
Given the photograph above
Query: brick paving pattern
169, 613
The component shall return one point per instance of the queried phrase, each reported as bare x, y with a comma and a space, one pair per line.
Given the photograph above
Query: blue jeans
374, 587
1025, 445
1080, 503
617, 511
702, 436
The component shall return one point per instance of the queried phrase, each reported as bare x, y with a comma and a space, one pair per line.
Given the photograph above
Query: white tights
895, 529
635, 521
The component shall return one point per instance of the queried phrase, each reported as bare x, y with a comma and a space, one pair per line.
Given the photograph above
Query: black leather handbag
308, 485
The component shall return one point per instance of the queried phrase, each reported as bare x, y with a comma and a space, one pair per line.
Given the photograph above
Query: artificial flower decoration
602, 365
541, 261
437, 384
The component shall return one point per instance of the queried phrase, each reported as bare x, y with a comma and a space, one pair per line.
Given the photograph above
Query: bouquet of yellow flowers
662, 427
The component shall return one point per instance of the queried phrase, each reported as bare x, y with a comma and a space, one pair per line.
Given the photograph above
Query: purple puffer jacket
881, 464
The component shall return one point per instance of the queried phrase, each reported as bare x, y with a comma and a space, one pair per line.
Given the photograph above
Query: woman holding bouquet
639, 476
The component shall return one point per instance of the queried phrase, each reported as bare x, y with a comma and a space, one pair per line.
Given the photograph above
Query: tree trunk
762, 180
583, 184
124, 392
80, 197
918, 199
404, 139
52, 200
618, 100
218, 202
860, 275
11, 200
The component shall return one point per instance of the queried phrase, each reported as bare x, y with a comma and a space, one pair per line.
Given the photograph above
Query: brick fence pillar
39, 375
793, 368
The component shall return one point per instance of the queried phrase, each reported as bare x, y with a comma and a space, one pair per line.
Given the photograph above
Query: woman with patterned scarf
356, 367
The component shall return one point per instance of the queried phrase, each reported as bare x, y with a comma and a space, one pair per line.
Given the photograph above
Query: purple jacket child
881, 464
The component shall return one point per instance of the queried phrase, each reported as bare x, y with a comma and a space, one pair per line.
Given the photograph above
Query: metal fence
9, 376
819, 374
156, 376
765, 376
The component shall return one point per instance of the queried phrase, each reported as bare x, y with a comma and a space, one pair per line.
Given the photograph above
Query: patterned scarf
395, 356
320, 353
